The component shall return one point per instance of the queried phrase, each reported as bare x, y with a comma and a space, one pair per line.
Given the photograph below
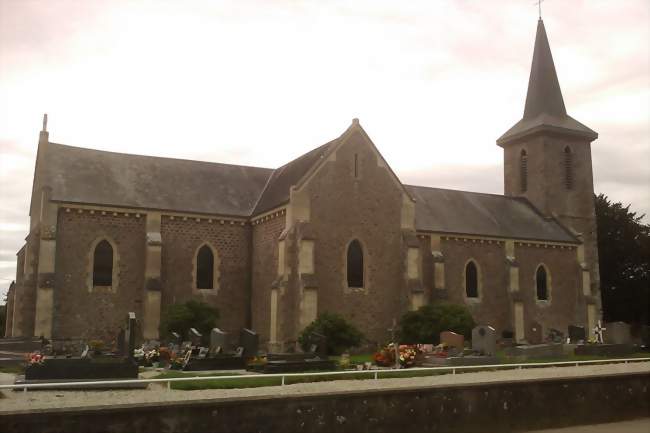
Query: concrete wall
490, 407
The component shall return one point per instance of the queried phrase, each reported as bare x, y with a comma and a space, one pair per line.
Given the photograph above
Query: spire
544, 109
44, 136
544, 94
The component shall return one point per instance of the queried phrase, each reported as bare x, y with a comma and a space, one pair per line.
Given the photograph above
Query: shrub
192, 314
426, 324
341, 335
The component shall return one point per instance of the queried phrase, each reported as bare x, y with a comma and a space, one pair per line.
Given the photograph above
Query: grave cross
598, 330
393, 338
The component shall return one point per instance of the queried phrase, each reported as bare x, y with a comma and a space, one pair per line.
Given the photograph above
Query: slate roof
107, 178
276, 191
544, 103
472, 213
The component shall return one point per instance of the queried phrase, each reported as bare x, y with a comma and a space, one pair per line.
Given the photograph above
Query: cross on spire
539, 6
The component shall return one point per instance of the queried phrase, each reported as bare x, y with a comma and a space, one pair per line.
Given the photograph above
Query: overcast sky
433, 82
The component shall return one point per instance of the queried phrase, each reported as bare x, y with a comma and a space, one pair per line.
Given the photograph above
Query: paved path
635, 426
158, 392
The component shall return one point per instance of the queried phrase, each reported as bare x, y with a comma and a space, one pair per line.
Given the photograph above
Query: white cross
598, 330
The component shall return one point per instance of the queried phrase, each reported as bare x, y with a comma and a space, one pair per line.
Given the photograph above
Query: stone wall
266, 232
82, 311
503, 407
566, 304
230, 242
367, 207
25, 292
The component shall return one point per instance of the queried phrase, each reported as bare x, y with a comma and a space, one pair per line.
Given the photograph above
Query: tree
192, 314
624, 258
426, 324
341, 335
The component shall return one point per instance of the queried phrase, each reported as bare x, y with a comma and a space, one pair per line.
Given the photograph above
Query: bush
192, 314
425, 325
340, 334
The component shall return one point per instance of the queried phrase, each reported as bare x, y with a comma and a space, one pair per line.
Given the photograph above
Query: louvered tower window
568, 168
523, 171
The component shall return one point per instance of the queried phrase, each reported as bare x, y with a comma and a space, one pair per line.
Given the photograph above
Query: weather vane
539, 5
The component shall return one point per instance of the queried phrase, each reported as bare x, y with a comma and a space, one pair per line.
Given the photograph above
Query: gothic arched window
541, 283
568, 168
103, 264
471, 280
205, 268
523, 171
355, 264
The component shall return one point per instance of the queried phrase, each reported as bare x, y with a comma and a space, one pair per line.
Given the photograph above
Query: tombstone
121, 343
452, 339
617, 333
534, 334
194, 336
577, 334
130, 334
484, 340
645, 336
320, 343
84, 354
176, 338
249, 340
218, 340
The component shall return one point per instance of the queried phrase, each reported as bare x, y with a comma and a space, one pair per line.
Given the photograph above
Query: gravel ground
158, 392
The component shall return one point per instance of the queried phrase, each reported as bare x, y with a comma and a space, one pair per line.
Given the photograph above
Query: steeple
544, 110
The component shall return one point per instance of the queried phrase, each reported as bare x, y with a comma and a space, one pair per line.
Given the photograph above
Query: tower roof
544, 108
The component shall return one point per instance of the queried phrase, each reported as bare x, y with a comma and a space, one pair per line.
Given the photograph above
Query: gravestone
319, 345
121, 343
452, 339
194, 336
534, 334
130, 334
645, 337
577, 334
617, 333
218, 341
250, 341
484, 340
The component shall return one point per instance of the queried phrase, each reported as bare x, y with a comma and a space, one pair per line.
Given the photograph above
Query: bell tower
547, 160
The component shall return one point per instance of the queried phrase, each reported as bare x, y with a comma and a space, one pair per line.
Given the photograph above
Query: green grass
242, 381
12, 369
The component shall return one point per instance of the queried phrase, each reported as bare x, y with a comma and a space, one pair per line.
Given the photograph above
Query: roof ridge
460, 190
136, 155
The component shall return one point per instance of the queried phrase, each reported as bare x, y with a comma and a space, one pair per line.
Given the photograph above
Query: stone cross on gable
598, 330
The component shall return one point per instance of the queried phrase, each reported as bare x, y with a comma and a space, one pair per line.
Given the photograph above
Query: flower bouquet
35, 358
407, 355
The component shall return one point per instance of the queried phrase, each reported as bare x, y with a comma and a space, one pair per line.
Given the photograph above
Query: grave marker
484, 340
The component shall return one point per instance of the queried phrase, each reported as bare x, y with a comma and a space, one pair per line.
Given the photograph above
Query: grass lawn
242, 381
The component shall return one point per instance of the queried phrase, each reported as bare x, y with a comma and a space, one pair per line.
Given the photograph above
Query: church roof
471, 213
276, 191
544, 108
116, 179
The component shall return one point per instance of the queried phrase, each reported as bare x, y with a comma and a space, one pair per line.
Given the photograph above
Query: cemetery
196, 352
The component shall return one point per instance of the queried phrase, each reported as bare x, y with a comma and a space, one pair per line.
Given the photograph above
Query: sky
433, 82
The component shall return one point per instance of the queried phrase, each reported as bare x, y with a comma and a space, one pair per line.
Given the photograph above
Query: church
334, 230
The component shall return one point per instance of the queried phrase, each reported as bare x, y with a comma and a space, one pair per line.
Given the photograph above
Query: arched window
523, 171
355, 264
471, 280
568, 168
205, 268
103, 264
541, 282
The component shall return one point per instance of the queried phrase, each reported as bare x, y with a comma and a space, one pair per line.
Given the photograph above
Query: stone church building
333, 230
